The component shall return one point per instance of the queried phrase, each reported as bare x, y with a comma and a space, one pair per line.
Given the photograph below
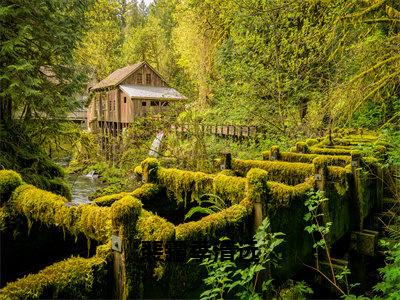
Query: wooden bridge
275, 188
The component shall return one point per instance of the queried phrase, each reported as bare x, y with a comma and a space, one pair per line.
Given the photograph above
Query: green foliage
212, 225
211, 205
224, 276
319, 228
75, 277
389, 287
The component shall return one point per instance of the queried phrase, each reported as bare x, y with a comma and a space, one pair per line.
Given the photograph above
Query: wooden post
149, 169
275, 153
127, 271
226, 161
357, 201
321, 183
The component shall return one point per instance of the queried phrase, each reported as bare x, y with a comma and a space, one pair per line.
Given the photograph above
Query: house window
164, 103
115, 104
148, 79
144, 103
139, 78
154, 103
124, 99
109, 104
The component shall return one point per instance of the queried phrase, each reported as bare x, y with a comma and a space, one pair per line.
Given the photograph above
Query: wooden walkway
237, 131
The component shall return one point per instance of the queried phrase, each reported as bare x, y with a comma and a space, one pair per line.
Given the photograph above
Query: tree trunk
5, 110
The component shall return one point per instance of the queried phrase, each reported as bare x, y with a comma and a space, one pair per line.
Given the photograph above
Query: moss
107, 191
109, 199
302, 147
311, 142
339, 160
185, 185
138, 171
289, 173
72, 278
256, 184
213, 225
330, 151
336, 173
230, 188
146, 192
228, 173
9, 181
125, 211
281, 195
151, 227
52, 210
3, 219
95, 222
149, 169
60, 187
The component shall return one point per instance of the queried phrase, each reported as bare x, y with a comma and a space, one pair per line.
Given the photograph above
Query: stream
83, 186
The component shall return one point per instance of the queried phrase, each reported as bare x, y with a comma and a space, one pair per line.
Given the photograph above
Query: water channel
82, 185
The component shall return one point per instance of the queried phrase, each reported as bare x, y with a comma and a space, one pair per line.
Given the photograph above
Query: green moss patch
9, 181
109, 199
72, 278
285, 172
52, 210
282, 195
214, 225
151, 227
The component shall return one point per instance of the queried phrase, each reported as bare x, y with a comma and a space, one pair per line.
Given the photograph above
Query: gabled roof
120, 75
151, 92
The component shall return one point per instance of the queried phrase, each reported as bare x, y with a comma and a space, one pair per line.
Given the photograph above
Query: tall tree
38, 79
101, 45
38, 75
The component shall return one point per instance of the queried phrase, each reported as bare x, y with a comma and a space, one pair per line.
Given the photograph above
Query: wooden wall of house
145, 76
126, 108
116, 106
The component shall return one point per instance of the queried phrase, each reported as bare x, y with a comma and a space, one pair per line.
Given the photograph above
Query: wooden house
127, 94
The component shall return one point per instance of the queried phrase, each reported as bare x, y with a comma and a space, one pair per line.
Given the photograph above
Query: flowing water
83, 186
155, 146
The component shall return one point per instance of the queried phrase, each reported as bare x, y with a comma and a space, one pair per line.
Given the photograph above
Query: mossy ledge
52, 210
213, 225
73, 278
286, 172
9, 181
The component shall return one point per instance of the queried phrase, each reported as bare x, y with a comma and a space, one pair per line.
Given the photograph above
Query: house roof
120, 75
151, 92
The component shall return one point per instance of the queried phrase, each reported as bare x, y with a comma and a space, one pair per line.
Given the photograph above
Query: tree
38, 78
101, 46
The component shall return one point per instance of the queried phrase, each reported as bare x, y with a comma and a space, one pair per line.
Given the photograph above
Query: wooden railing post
226, 161
275, 153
